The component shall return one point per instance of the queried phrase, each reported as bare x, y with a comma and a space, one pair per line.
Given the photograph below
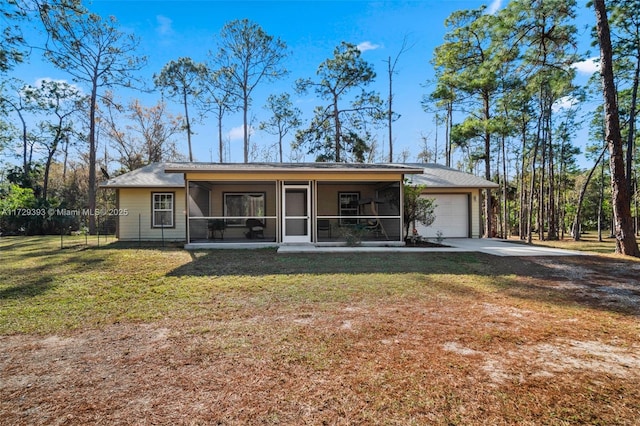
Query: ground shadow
28, 289
588, 281
262, 262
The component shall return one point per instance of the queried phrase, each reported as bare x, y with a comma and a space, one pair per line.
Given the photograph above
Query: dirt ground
484, 359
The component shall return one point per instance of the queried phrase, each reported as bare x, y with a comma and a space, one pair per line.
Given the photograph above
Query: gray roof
150, 176
170, 175
438, 176
285, 167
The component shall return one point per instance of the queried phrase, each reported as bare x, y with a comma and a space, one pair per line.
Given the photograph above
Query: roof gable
149, 176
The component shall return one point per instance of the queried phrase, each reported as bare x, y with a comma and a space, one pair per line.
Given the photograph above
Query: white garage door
452, 217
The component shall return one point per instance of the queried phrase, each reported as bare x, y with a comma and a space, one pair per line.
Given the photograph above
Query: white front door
296, 219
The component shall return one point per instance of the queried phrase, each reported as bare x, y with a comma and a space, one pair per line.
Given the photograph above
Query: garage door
452, 217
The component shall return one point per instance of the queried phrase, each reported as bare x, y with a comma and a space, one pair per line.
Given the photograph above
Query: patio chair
373, 226
324, 225
216, 225
255, 229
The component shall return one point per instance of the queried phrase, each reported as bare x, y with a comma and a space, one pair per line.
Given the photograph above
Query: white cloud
588, 66
164, 27
494, 7
237, 133
39, 82
565, 103
367, 45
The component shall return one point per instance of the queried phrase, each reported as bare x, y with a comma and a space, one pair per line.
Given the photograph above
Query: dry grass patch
169, 337
588, 242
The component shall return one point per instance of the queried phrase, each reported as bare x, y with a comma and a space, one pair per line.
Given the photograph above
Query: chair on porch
255, 229
324, 225
216, 225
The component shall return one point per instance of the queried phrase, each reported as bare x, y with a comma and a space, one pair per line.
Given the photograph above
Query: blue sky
311, 29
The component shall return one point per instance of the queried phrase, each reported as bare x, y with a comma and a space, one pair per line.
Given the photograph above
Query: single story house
261, 204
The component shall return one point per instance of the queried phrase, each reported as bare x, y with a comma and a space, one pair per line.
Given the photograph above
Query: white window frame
154, 210
345, 209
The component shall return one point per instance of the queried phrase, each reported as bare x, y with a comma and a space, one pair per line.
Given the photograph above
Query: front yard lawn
121, 334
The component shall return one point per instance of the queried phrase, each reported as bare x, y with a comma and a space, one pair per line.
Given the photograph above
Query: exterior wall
475, 207
328, 196
137, 224
219, 189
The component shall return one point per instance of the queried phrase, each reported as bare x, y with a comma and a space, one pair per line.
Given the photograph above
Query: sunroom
263, 204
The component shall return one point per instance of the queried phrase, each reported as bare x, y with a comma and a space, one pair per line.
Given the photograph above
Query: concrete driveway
499, 247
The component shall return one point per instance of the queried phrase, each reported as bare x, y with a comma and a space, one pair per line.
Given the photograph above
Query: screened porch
283, 211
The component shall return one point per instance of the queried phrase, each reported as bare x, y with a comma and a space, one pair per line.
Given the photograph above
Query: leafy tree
218, 98
12, 198
59, 102
247, 55
469, 59
12, 42
285, 118
94, 52
336, 126
18, 104
180, 79
625, 238
416, 207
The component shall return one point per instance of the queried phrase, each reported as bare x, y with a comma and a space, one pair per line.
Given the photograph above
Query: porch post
278, 211
401, 206
186, 210
314, 211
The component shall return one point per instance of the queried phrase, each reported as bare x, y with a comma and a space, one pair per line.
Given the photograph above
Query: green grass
45, 289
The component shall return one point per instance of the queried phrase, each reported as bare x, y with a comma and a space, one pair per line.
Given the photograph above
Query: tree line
500, 81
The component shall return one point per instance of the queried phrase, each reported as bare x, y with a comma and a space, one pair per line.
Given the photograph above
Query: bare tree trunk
488, 211
576, 221
66, 158
552, 233
245, 121
631, 137
505, 211
447, 135
92, 159
522, 186
532, 185
601, 203
338, 129
187, 122
626, 243
390, 111
543, 171
220, 142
